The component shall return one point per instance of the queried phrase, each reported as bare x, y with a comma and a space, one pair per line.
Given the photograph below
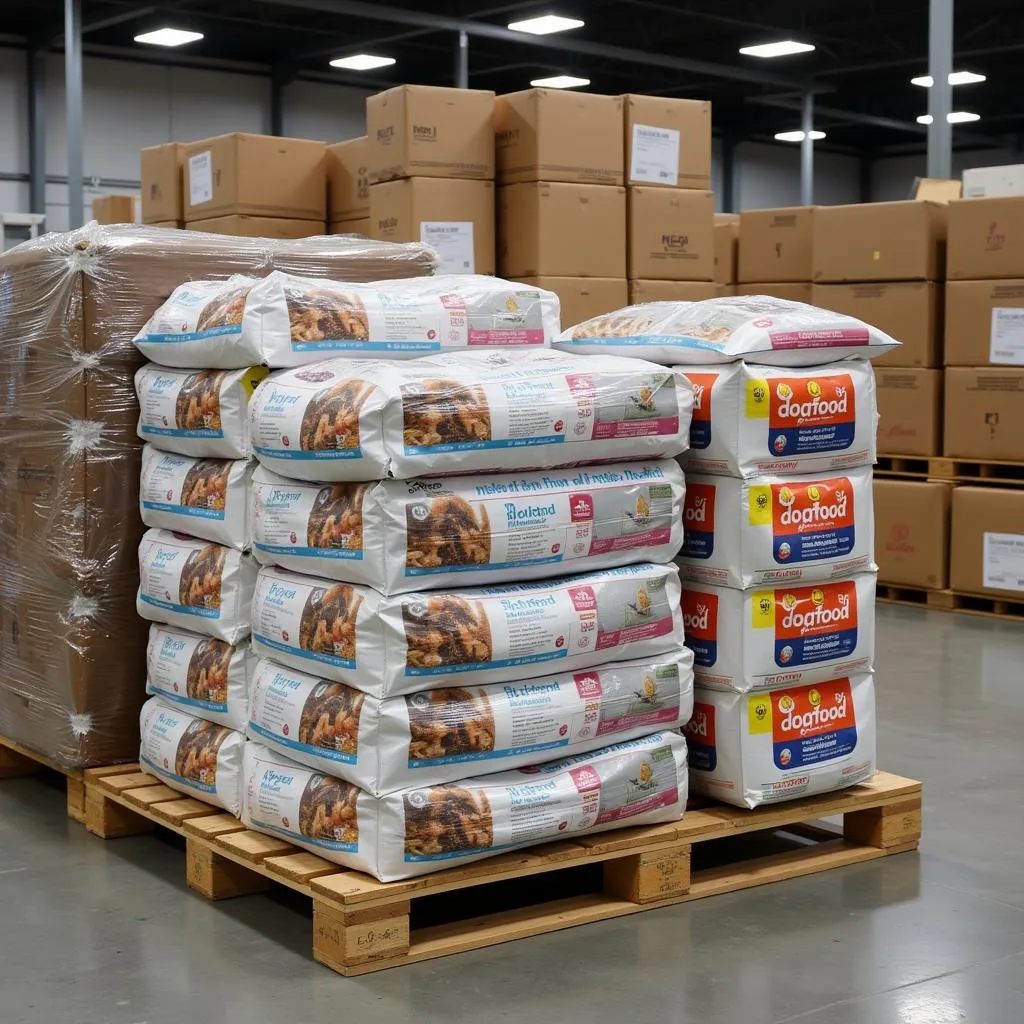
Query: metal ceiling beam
439, 23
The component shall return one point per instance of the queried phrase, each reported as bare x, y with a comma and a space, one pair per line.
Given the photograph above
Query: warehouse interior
851, 179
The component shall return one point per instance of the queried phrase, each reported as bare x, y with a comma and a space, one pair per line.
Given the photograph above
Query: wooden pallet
17, 761
954, 601
902, 466
958, 471
362, 925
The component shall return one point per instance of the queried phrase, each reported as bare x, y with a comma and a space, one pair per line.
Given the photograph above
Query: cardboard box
671, 234
431, 132
115, 209
668, 141
986, 239
556, 135
910, 411
672, 291
984, 323
904, 241
775, 245
166, 224
348, 193
259, 227
910, 311
555, 229
162, 176
727, 244
455, 217
581, 298
256, 175
993, 182
984, 416
987, 547
794, 291
939, 190
912, 532
350, 227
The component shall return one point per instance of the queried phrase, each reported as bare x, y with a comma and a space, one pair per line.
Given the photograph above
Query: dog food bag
200, 675
421, 830
789, 742
760, 328
208, 498
196, 585
747, 640
762, 419
399, 536
393, 645
192, 755
439, 736
769, 529
197, 412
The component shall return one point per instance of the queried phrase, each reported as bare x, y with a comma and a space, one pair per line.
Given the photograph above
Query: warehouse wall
893, 177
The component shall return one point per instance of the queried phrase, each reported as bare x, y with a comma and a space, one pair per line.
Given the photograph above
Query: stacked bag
777, 560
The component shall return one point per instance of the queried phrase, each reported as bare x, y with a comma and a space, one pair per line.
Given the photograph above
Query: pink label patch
633, 634
583, 598
483, 336
581, 507
635, 428
845, 336
585, 778
651, 803
659, 717
580, 384
600, 545
588, 685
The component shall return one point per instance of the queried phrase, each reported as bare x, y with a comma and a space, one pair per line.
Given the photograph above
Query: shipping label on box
1006, 338
1003, 566
453, 241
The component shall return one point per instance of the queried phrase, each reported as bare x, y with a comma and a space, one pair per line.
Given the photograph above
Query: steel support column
940, 95
462, 61
807, 150
73, 103
36, 63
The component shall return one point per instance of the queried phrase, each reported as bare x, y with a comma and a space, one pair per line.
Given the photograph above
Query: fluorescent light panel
797, 136
955, 78
362, 62
781, 49
560, 82
953, 117
545, 25
168, 37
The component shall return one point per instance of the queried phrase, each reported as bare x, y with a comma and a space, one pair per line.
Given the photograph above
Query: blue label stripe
811, 547
201, 786
327, 453
475, 446
175, 432
287, 549
186, 336
698, 543
477, 566
443, 670
347, 345
701, 757
489, 756
183, 609
324, 752
324, 659
192, 702
327, 844
666, 340
810, 649
184, 510
815, 749
786, 442
705, 652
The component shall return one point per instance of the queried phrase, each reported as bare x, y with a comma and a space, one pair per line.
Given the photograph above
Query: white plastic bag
207, 498
439, 736
196, 585
393, 645
400, 536
197, 412
787, 743
192, 755
204, 677
419, 831
760, 328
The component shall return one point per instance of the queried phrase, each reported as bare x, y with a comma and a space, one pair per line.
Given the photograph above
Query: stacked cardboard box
430, 166
727, 245
775, 252
115, 209
348, 187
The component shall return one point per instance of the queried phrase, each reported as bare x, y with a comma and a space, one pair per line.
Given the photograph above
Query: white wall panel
13, 113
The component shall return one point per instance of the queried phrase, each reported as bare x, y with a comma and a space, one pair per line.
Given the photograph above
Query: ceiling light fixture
362, 62
797, 136
560, 82
545, 25
955, 78
782, 49
953, 117
168, 37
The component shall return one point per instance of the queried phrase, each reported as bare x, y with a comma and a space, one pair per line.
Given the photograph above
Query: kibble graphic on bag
192, 755
761, 328
192, 583
197, 412
208, 498
755, 639
206, 677
757, 419
421, 830
789, 742
810, 528
439, 736
400, 536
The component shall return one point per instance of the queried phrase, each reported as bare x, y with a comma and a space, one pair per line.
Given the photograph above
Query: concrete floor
107, 933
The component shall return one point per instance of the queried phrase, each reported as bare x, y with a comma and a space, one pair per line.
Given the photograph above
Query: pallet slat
1006, 608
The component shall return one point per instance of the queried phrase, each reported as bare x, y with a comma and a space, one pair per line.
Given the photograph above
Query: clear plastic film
72, 649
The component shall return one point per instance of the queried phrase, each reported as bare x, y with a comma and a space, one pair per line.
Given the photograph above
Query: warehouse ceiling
865, 53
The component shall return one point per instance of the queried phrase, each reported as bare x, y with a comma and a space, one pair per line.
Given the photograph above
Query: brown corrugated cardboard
167, 224
162, 174
671, 234
552, 135
910, 411
912, 532
454, 216
256, 175
581, 298
984, 416
984, 323
259, 227
939, 190
672, 291
727, 243
794, 291
775, 245
987, 548
348, 194
431, 132
986, 239
555, 229
903, 241
911, 311
115, 209
350, 227
668, 141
